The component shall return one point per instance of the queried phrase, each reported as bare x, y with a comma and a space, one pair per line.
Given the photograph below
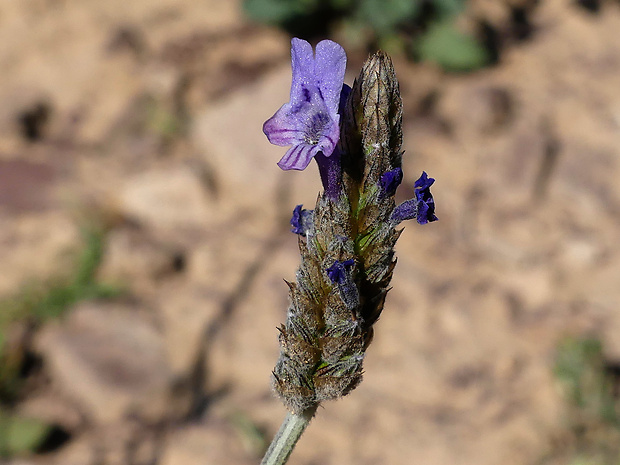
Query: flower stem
284, 442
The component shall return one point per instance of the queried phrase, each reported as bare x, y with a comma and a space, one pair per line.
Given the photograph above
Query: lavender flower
338, 271
426, 203
310, 121
347, 241
422, 208
391, 180
340, 274
301, 221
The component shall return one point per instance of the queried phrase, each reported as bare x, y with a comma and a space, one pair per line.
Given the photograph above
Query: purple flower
426, 203
309, 122
340, 275
422, 208
391, 180
338, 271
301, 221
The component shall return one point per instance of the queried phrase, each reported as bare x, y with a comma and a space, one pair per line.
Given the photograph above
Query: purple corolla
422, 208
309, 122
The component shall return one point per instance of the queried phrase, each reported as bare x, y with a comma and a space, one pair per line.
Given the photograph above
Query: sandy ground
148, 116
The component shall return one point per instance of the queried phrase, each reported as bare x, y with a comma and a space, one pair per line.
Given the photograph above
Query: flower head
309, 122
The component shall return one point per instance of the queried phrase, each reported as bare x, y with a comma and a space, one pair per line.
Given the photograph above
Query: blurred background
144, 233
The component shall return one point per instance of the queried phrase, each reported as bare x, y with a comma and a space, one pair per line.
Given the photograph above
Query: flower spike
347, 241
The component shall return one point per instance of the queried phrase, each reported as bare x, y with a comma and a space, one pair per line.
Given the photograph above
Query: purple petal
298, 157
341, 276
391, 180
330, 137
330, 65
302, 58
338, 271
423, 182
425, 212
301, 221
283, 127
426, 203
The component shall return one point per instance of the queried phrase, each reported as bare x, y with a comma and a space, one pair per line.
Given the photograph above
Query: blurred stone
53, 409
187, 312
477, 108
166, 199
113, 444
222, 261
216, 441
78, 452
22, 108
35, 247
578, 253
459, 371
134, 260
146, 451
17, 178
109, 359
67, 59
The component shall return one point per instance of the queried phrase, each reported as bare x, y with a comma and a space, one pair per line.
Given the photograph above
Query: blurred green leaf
580, 366
278, 11
391, 44
445, 45
20, 435
593, 414
387, 24
449, 7
577, 360
384, 15
342, 4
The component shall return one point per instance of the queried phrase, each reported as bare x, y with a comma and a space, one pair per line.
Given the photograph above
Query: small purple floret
338, 271
301, 221
391, 180
426, 203
422, 208
309, 122
340, 275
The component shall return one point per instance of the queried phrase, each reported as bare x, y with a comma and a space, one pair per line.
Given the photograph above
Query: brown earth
148, 115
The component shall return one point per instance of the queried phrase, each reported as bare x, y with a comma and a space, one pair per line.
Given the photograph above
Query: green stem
284, 442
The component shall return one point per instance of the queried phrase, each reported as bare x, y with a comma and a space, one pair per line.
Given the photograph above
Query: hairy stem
284, 442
